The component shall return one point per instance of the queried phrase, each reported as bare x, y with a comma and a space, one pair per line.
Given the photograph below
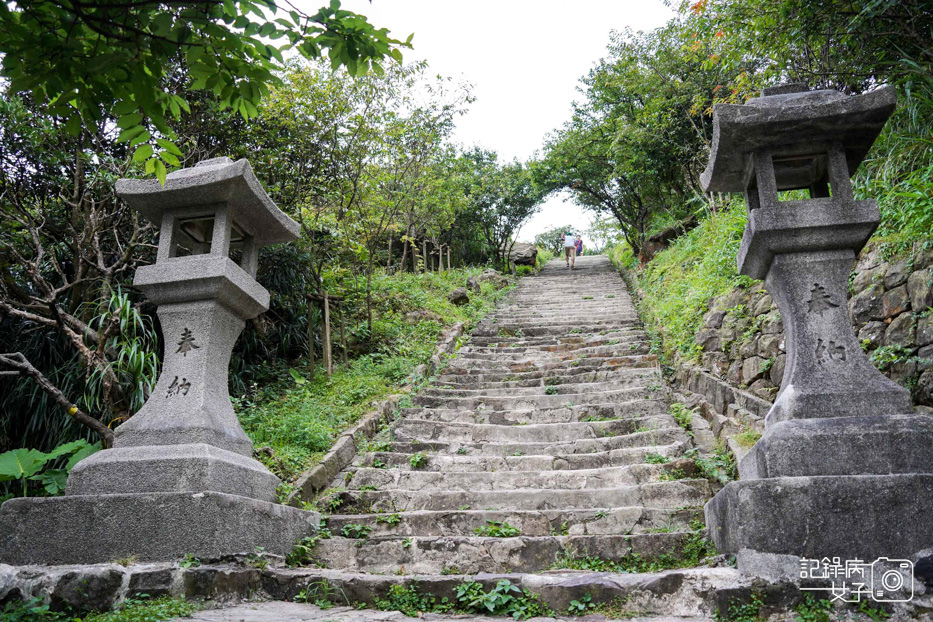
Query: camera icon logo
892, 580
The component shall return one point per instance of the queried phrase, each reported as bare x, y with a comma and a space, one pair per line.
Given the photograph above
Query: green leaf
129, 120
73, 125
150, 166
53, 480
160, 171
124, 107
142, 152
81, 454
21, 463
67, 448
169, 158
169, 146
130, 133
298, 378
140, 138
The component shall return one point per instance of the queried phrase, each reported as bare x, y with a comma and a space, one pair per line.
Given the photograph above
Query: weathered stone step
576, 413
605, 521
555, 330
570, 377
458, 367
555, 354
576, 479
673, 494
623, 346
523, 313
639, 378
568, 373
474, 554
481, 462
615, 333
647, 438
691, 594
651, 391
409, 429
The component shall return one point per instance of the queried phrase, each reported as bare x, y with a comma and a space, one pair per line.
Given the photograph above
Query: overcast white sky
524, 58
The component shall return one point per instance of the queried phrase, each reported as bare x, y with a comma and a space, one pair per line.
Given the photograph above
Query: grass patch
747, 438
682, 415
681, 280
503, 599
138, 609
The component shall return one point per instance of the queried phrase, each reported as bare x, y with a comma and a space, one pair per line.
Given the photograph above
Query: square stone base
842, 446
87, 529
848, 516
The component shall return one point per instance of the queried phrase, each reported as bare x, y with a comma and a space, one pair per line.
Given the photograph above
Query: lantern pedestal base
172, 468
87, 529
849, 516
842, 446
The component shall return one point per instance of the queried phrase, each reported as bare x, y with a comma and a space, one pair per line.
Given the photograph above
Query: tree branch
19, 364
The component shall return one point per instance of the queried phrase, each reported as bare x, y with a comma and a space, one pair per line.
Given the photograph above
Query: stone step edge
387, 525
344, 449
695, 592
686, 593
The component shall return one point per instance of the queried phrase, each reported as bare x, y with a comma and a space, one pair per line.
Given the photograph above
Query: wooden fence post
343, 334
327, 354
311, 334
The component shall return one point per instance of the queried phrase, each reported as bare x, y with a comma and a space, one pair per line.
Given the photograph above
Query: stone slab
842, 446
149, 526
194, 467
848, 516
296, 612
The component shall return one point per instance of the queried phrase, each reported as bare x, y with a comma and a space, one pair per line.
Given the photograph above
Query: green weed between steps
138, 609
504, 599
809, 609
497, 529
293, 420
696, 547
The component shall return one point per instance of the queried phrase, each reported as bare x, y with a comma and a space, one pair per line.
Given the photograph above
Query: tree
551, 239
90, 60
839, 44
500, 199
635, 146
407, 135
67, 248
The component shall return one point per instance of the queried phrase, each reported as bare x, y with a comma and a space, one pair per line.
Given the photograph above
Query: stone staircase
545, 440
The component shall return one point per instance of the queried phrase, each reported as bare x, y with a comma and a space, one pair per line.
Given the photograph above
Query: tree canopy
135, 61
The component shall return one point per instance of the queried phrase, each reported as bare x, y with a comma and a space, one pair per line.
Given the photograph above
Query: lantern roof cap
213, 182
791, 120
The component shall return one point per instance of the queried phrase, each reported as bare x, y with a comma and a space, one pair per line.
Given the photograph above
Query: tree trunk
424, 247
389, 260
404, 260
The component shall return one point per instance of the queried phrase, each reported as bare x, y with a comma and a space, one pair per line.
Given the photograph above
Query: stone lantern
843, 468
180, 478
